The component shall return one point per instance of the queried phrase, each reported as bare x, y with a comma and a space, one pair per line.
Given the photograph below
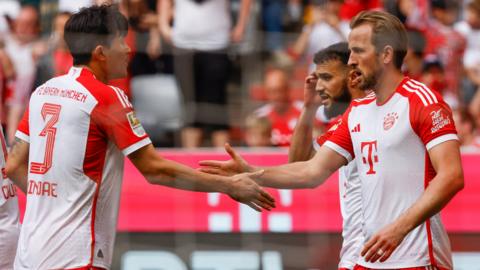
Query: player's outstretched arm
305, 174
161, 171
301, 147
446, 161
17, 163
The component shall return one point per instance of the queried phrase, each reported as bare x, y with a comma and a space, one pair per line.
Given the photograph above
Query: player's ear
388, 54
99, 53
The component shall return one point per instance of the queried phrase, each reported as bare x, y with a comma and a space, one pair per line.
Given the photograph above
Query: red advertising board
148, 208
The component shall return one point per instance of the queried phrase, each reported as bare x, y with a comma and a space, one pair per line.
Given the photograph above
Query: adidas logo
356, 129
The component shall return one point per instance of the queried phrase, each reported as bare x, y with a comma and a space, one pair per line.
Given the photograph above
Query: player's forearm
292, 176
176, 175
301, 148
19, 176
17, 163
439, 192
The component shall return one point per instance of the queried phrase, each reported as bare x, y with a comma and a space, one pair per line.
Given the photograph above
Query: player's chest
381, 128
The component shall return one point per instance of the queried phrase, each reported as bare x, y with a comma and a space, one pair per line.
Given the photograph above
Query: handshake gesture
244, 188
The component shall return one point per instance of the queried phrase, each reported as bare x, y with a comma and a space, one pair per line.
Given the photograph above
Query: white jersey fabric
79, 130
389, 143
350, 193
201, 26
9, 225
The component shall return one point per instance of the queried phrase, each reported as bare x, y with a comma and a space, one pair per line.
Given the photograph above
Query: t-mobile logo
250, 220
370, 157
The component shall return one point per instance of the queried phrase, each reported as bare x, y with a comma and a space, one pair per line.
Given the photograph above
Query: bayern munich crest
389, 120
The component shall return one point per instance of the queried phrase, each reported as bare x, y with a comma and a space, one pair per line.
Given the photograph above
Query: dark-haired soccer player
405, 147
333, 85
74, 136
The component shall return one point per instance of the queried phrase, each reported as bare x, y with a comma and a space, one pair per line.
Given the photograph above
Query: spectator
19, 45
350, 8
280, 110
413, 62
272, 22
326, 28
433, 75
445, 42
58, 60
201, 35
258, 131
470, 29
8, 9
143, 21
466, 128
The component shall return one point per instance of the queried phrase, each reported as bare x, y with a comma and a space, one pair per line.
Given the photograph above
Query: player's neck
388, 85
96, 71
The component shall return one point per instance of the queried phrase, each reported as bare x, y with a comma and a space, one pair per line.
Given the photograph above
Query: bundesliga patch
135, 124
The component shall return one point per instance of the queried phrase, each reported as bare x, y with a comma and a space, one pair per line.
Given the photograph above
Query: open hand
246, 191
230, 167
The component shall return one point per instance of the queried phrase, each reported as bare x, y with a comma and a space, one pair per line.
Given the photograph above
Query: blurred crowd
237, 67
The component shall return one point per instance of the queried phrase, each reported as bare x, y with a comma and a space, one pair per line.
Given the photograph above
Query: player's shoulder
419, 94
369, 98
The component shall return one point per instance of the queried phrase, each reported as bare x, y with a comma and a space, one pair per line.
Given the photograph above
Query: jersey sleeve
432, 122
116, 118
340, 140
320, 140
23, 129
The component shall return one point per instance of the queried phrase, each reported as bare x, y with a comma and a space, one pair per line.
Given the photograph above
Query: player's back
75, 175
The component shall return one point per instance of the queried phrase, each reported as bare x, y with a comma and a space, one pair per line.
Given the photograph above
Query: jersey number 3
49, 132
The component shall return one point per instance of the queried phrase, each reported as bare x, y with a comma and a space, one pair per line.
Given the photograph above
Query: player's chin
326, 102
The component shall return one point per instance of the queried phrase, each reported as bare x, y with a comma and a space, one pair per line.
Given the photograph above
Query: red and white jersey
9, 225
350, 194
79, 130
390, 144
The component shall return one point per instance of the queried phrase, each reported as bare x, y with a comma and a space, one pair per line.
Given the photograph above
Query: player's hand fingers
262, 204
387, 254
253, 206
368, 245
376, 251
231, 152
211, 163
266, 198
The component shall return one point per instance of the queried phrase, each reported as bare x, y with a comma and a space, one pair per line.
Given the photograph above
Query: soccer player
332, 84
404, 144
75, 134
9, 225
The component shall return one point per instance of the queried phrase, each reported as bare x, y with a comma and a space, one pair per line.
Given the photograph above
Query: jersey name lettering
42, 188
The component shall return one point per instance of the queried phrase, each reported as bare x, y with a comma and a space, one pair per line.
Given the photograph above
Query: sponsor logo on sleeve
135, 124
439, 120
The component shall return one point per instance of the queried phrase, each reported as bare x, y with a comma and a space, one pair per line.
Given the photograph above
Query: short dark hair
386, 30
338, 51
416, 42
93, 26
